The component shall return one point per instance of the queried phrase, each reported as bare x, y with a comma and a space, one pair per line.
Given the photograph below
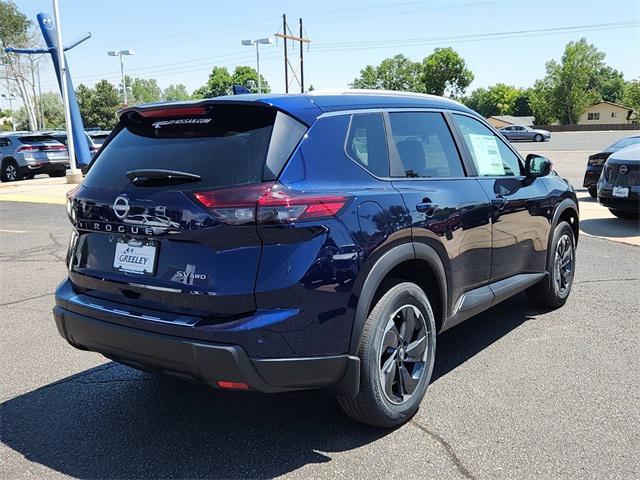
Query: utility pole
286, 59
287, 35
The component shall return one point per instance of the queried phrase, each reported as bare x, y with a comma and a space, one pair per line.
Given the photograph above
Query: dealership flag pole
74, 175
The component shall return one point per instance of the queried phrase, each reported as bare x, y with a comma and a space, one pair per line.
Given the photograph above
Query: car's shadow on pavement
610, 227
114, 422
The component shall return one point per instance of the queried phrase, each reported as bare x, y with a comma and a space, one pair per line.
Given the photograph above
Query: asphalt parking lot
516, 392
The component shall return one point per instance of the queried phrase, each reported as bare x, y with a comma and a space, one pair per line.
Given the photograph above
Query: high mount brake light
267, 203
173, 112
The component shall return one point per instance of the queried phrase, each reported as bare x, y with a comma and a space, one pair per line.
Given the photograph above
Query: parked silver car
522, 133
25, 154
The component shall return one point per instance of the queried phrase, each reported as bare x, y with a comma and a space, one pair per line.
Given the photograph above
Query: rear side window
367, 144
425, 145
490, 155
225, 145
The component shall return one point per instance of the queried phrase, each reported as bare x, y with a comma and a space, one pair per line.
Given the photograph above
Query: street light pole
257, 43
121, 53
10, 97
74, 175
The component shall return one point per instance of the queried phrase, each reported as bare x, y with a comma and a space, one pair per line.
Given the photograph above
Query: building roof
614, 104
308, 106
513, 120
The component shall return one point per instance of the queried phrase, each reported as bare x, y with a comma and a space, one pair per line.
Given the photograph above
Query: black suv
283, 242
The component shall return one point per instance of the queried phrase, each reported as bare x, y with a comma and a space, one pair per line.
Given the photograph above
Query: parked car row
25, 154
619, 183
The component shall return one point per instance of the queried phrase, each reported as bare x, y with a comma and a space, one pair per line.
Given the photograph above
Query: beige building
606, 113
499, 121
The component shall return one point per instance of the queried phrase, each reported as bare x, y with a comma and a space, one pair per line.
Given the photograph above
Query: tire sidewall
5, 165
561, 229
402, 294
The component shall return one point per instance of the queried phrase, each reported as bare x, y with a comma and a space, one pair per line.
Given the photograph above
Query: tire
58, 173
553, 291
10, 171
538, 138
593, 191
625, 215
386, 341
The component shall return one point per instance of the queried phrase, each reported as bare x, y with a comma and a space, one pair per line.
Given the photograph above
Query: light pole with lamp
11, 97
121, 53
257, 43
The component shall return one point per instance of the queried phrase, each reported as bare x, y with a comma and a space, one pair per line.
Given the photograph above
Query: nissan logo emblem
121, 206
623, 169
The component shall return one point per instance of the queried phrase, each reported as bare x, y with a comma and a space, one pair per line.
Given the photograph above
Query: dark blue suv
282, 242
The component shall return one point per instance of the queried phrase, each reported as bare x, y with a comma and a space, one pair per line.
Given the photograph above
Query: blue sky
180, 41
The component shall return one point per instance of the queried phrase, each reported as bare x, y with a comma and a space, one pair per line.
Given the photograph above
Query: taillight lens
280, 205
267, 203
41, 148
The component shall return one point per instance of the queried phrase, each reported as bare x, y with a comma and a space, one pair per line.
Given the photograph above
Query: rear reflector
232, 385
267, 203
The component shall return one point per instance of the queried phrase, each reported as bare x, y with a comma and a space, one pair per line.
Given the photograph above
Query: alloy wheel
563, 265
403, 354
10, 172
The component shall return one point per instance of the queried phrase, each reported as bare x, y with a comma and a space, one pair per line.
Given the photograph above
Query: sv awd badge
188, 275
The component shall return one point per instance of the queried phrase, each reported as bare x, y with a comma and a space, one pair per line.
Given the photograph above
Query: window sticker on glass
486, 154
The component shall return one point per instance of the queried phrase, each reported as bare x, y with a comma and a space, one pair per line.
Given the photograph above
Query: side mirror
537, 166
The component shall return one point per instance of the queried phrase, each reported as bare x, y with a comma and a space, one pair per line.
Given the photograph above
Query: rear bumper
208, 362
630, 204
45, 167
591, 176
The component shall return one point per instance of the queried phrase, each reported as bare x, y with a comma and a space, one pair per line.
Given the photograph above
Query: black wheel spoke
408, 324
408, 382
415, 350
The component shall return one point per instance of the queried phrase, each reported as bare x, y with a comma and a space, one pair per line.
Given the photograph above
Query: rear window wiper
152, 177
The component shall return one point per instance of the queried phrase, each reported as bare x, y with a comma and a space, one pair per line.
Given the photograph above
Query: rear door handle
427, 208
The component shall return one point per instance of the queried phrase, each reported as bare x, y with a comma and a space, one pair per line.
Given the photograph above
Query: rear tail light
267, 203
41, 148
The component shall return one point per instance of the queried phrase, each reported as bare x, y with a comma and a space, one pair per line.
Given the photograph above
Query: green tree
610, 84
631, 97
176, 92
16, 30
143, 90
445, 72
542, 103
98, 105
218, 84
498, 99
248, 77
395, 73
53, 110
574, 81
522, 103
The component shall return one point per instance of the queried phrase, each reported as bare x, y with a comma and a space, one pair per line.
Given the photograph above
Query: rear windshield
225, 145
36, 139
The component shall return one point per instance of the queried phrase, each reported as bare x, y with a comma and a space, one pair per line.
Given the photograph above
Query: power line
189, 65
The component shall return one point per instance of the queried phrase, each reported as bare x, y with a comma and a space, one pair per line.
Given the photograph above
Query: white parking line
12, 231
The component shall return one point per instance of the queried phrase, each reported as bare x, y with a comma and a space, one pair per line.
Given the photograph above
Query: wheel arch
567, 210
412, 261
